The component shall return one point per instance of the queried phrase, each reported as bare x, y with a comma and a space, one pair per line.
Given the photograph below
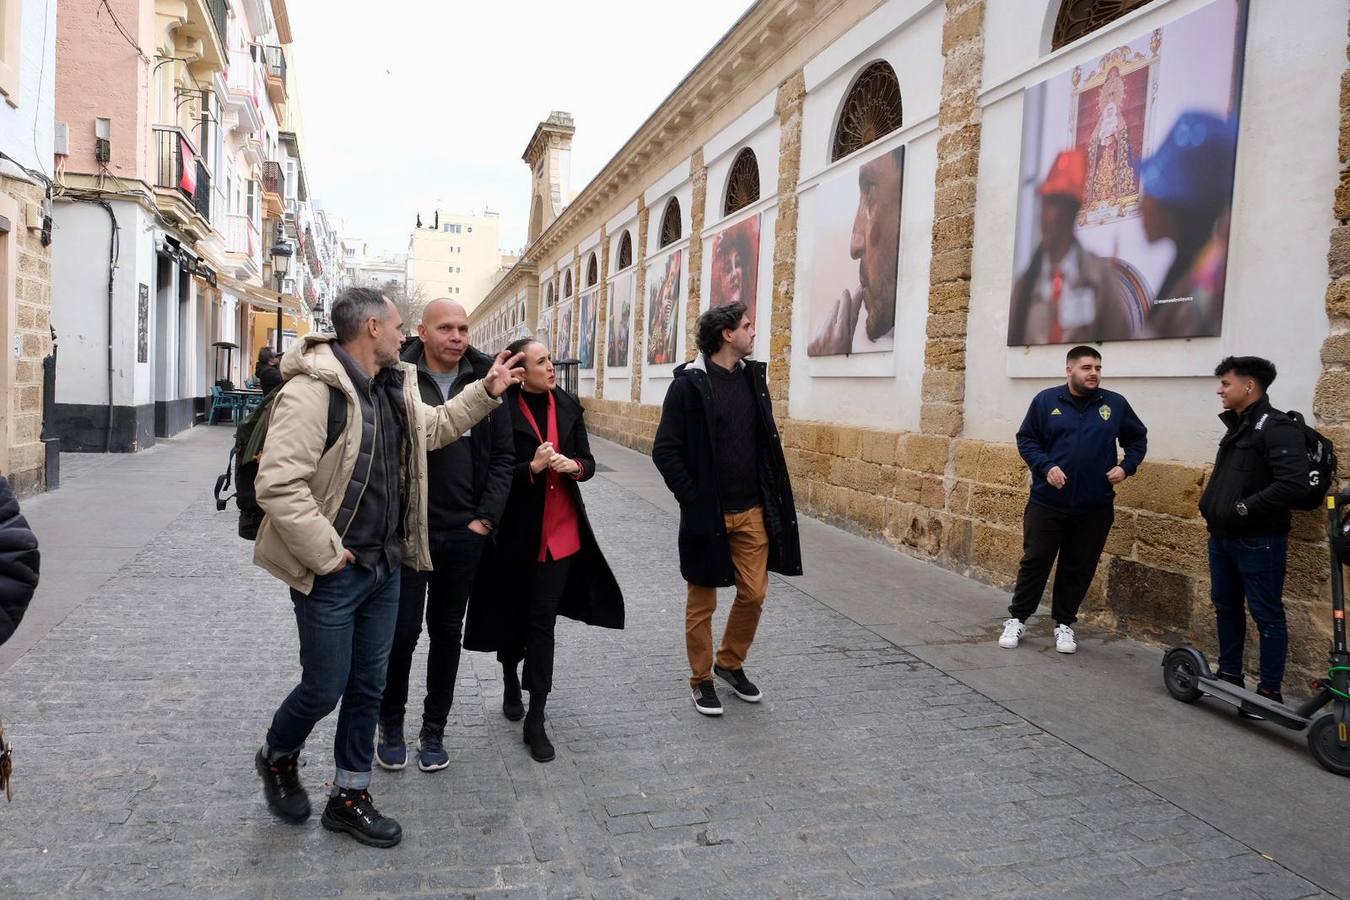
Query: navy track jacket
1079, 434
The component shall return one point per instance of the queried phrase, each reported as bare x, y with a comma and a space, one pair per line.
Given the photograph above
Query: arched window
592, 271
548, 294
625, 257
1082, 17
670, 223
742, 183
567, 284
871, 110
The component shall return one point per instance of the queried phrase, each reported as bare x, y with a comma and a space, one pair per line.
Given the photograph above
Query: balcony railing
179, 168
241, 236
219, 10
274, 178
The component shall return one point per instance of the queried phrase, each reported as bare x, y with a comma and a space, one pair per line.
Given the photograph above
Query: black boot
541, 748
512, 706
281, 785
351, 810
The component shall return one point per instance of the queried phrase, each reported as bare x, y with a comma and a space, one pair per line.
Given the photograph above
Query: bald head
445, 334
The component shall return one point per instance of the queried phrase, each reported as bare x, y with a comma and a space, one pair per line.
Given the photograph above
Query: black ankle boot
541, 748
351, 810
512, 705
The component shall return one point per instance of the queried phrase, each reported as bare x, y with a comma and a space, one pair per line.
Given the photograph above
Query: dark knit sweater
737, 439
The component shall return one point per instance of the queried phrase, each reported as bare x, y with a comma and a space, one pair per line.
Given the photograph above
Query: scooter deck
1254, 702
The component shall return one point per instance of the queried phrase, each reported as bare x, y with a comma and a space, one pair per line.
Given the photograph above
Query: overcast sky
422, 100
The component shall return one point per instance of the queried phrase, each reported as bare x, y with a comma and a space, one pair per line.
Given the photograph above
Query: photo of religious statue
544, 332
1126, 187
662, 307
586, 339
735, 265
564, 350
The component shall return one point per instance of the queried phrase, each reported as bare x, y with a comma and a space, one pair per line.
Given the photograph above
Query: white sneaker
1064, 639
1013, 629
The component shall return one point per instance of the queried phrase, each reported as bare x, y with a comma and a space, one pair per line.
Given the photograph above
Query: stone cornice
557, 123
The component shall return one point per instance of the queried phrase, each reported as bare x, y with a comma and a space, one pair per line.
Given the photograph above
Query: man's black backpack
248, 444
1321, 463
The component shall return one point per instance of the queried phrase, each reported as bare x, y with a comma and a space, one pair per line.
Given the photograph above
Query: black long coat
684, 454
498, 601
19, 562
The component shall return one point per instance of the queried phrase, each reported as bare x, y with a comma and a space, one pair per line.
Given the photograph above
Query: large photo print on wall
735, 265
662, 309
1126, 185
620, 321
856, 258
564, 350
586, 339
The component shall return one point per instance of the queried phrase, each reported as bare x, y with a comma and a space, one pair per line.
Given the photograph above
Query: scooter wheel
1322, 741
1182, 678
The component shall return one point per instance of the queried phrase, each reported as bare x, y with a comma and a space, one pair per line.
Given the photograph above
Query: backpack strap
337, 417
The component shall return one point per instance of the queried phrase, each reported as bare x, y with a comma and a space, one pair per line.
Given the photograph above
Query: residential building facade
454, 255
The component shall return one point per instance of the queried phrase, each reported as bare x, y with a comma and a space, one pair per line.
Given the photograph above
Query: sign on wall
586, 339
620, 321
735, 265
1126, 186
856, 258
143, 324
662, 308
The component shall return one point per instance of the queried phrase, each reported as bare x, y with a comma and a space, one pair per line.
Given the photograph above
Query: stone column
602, 318
1331, 401
791, 94
637, 342
953, 219
699, 173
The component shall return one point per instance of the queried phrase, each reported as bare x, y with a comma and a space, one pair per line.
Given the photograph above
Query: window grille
670, 223
1078, 18
871, 110
742, 183
567, 283
625, 258
592, 271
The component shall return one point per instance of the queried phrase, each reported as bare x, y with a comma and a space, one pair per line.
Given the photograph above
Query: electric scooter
1188, 677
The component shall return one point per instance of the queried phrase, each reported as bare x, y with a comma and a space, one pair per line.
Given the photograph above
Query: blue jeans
346, 626
1252, 567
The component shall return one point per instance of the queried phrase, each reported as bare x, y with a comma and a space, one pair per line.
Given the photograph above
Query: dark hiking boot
351, 810
742, 686
541, 748
705, 699
391, 751
281, 786
513, 706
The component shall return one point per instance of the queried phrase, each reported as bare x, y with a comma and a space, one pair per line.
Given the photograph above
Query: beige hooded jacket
300, 487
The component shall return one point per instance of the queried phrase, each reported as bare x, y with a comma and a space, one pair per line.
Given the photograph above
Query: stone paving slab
866, 771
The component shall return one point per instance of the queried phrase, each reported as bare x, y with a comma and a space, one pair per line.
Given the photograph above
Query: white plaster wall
1277, 272
872, 389
26, 131
80, 303
764, 142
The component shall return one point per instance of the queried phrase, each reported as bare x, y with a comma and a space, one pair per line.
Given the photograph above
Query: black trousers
1077, 539
445, 593
532, 637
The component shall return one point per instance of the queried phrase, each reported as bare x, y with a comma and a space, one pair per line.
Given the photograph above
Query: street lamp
281, 264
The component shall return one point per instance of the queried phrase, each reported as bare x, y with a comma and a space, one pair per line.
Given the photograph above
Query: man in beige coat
340, 521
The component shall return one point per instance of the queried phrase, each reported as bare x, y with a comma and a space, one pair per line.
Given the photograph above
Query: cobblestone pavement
865, 772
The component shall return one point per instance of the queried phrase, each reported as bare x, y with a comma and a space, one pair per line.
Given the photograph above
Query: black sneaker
1244, 713
705, 699
281, 786
351, 810
741, 685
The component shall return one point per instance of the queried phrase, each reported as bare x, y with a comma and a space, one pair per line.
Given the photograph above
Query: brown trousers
750, 557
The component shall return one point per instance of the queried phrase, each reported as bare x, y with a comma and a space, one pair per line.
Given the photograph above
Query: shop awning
261, 297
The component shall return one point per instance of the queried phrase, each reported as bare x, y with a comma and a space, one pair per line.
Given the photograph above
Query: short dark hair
520, 344
352, 308
1079, 352
1262, 371
265, 355
716, 320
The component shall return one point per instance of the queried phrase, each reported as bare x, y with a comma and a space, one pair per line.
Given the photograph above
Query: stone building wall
31, 319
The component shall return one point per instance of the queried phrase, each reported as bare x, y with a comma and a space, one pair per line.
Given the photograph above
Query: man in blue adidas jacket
1068, 440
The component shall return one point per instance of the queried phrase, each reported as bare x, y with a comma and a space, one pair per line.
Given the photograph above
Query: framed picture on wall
735, 265
143, 324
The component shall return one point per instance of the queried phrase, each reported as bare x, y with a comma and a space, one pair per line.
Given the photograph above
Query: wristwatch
1241, 508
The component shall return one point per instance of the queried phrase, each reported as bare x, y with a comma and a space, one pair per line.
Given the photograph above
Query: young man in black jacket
718, 449
467, 485
1260, 471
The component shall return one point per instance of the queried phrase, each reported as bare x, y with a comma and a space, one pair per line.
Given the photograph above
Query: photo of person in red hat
1067, 294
